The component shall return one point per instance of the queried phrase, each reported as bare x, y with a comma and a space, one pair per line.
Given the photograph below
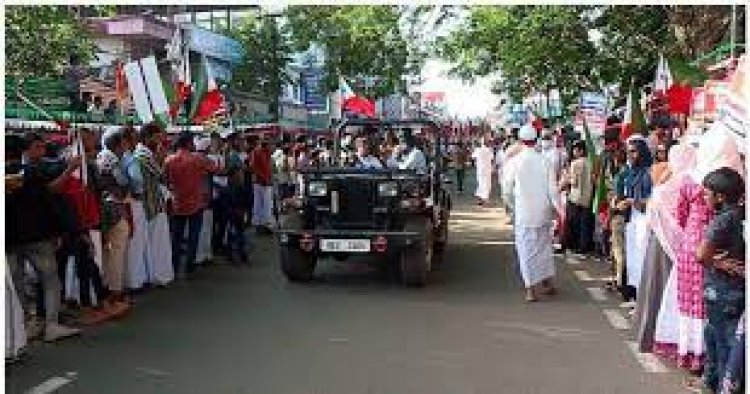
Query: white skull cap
527, 133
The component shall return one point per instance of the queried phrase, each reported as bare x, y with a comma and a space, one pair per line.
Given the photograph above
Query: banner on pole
593, 109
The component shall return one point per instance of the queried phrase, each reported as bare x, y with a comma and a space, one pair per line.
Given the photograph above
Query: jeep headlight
388, 189
317, 189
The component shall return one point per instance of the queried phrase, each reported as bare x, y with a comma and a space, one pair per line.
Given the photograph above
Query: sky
463, 100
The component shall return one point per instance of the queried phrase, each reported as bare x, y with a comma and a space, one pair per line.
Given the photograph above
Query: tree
360, 42
40, 39
267, 57
535, 47
580, 47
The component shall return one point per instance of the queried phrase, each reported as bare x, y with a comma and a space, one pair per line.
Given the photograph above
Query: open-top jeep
399, 215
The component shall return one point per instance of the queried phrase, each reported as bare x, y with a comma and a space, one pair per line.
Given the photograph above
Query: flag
179, 88
352, 102
663, 80
207, 99
634, 120
121, 85
600, 193
590, 148
147, 89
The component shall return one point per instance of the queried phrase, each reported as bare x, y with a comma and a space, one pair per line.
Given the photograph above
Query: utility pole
733, 30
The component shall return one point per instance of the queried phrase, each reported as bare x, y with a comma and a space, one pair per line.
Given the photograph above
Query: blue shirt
133, 172
724, 232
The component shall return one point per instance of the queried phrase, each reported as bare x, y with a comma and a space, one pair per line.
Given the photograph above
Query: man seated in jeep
364, 158
412, 157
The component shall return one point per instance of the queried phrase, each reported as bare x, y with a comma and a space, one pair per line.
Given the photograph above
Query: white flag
138, 91
154, 85
663, 79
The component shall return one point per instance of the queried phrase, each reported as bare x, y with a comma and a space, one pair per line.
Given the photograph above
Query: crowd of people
110, 213
99, 215
668, 222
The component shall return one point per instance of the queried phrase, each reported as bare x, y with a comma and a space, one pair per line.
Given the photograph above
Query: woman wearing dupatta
685, 345
635, 192
662, 241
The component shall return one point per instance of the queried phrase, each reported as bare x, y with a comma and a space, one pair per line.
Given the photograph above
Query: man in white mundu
531, 188
483, 157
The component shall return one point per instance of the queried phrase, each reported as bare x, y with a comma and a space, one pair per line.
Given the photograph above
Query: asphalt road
246, 330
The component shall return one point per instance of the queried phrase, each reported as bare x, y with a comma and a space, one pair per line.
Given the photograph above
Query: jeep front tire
416, 261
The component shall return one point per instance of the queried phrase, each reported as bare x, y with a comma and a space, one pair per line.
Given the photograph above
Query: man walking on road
483, 157
531, 185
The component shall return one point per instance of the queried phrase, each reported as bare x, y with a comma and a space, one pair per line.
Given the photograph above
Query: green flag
639, 120
590, 148
600, 193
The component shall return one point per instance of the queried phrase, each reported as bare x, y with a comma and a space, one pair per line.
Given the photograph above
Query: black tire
416, 261
297, 265
441, 235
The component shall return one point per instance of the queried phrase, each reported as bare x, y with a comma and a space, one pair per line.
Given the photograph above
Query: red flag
121, 84
211, 99
355, 103
360, 105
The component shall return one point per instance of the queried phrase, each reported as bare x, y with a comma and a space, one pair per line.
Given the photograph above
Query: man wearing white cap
531, 188
204, 252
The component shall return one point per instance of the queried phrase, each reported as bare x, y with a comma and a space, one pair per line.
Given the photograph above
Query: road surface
246, 330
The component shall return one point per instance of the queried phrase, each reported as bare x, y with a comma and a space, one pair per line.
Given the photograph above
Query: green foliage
39, 39
268, 55
359, 41
536, 47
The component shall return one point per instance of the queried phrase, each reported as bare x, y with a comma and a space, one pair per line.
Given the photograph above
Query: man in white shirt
364, 158
531, 187
551, 153
414, 158
483, 157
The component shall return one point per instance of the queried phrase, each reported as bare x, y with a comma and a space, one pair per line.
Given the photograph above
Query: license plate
345, 245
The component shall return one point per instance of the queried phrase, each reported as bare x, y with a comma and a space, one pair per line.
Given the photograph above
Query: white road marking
616, 319
152, 372
583, 276
53, 384
597, 293
571, 261
648, 361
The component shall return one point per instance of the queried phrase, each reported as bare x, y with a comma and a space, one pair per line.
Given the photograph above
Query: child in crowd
722, 252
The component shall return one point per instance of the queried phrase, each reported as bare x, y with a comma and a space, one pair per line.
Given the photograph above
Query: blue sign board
314, 94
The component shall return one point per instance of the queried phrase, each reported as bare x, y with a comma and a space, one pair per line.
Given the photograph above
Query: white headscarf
717, 149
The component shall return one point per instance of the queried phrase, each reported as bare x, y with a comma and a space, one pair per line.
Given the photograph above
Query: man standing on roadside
579, 226
531, 185
186, 173
36, 217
